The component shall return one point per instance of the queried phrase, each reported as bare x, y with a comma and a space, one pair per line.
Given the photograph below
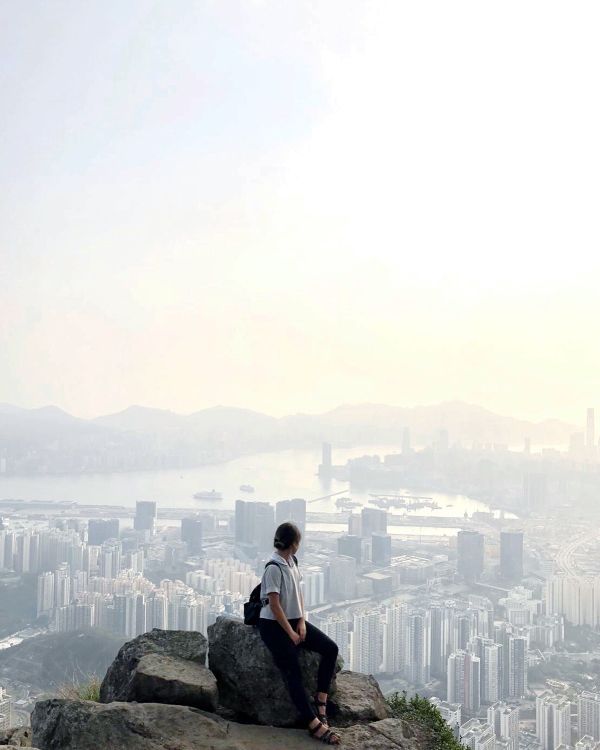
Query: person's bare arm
277, 610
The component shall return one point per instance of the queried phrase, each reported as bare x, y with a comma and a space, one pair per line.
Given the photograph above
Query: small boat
246, 488
208, 495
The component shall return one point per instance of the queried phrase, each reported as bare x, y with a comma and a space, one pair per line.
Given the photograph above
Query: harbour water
275, 476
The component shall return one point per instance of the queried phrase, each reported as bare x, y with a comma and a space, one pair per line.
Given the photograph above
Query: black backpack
253, 606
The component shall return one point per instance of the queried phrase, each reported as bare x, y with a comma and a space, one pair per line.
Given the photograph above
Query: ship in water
347, 502
246, 488
208, 495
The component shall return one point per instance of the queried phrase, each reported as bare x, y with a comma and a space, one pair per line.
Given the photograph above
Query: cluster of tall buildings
470, 555
256, 521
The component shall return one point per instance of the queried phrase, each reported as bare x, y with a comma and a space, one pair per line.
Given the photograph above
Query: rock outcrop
158, 678
249, 682
83, 725
357, 699
179, 644
159, 695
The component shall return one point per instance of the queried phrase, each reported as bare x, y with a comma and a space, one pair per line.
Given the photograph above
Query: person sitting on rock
284, 629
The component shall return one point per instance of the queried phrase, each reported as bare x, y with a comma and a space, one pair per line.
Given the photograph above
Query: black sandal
327, 738
321, 716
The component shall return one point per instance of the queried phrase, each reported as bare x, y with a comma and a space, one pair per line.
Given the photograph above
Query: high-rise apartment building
336, 627
588, 713
463, 681
394, 638
505, 721
477, 734
5, 710
418, 647
366, 642
440, 639
553, 721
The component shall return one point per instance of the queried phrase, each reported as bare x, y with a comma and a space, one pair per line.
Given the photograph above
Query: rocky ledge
160, 695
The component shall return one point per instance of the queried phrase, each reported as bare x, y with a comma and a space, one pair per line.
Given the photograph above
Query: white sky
292, 205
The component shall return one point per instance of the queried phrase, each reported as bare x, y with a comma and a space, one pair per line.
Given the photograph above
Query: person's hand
295, 638
301, 629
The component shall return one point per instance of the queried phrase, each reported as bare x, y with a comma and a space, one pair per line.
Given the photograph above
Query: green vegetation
17, 602
47, 661
420, 711
83, 691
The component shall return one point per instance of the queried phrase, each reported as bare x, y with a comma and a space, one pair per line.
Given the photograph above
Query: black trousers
285, 655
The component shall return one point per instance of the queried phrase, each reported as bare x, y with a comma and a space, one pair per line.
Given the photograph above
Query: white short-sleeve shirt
283, 579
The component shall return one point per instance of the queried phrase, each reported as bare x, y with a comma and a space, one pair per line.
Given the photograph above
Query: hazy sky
291, 205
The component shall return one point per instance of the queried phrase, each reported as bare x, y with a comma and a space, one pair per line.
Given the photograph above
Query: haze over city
298, 329
253, 204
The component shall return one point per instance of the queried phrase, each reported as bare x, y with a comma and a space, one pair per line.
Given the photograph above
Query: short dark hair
287, 533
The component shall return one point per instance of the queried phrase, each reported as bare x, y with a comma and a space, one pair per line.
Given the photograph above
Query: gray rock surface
177, 643
165, 679
249, 682
16, 737
83, 725
358, 699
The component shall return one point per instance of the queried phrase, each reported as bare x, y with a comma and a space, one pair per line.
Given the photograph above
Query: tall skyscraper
440, 639
490, 658
590, 431
381, 549
589, 714
326, 463
145, 516
101, 529
464, 681
394, 638
254, 527
553, 721
469, 554
342, 577
406, 440
511, 555
373, 520
292, 510
351, 546
517, 666
192, 534
418, 647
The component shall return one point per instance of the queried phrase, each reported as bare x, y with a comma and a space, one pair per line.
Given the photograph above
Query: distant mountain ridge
50, 439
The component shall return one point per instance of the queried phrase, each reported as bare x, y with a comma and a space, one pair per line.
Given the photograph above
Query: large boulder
249, 682
83, 725
358, 699
165, 679
180, 644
